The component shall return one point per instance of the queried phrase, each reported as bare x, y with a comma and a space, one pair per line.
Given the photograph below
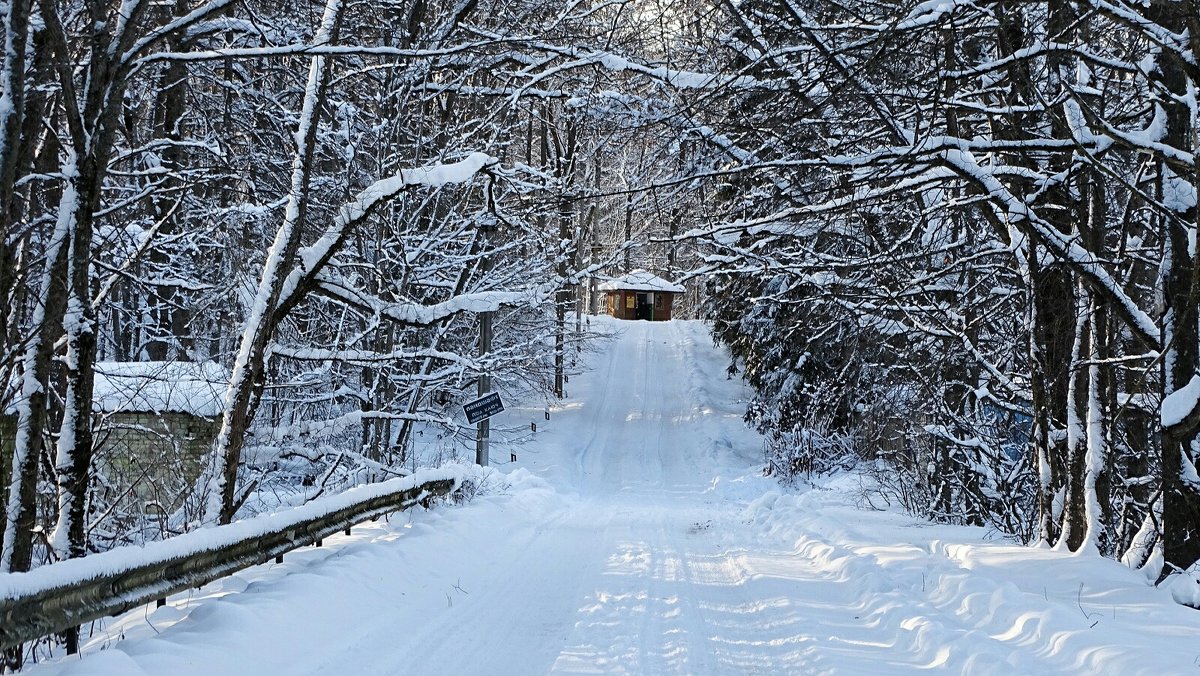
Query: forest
949, 244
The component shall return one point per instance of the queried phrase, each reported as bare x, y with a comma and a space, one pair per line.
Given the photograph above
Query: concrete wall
143, 457
154, 458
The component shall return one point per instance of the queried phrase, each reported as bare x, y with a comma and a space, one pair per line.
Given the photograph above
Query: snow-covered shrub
807, 452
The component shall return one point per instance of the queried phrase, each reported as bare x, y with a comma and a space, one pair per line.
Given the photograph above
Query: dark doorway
645, 306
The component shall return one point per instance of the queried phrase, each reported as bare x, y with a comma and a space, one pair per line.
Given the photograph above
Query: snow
314, 257
1180, 403
929, 12
964, 161
635, 534
433, 176
123, 558
160, 386
640, 280
1185, 588
680, 79
1179, 193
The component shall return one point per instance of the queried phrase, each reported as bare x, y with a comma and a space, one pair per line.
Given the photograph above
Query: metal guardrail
57, 608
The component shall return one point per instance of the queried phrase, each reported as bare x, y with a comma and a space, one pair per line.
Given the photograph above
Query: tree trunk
1181, 292
12, 123
1051, 336
21, 514
168, 316
247, 380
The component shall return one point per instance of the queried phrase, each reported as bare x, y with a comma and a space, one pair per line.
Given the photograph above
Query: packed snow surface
635, 535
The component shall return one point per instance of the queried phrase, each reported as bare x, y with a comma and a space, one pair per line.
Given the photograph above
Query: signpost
483, 408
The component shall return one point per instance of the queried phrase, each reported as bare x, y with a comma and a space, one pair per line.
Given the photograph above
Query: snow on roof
160, 386
640, 280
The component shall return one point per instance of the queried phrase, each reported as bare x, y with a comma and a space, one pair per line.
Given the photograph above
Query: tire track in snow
597, 427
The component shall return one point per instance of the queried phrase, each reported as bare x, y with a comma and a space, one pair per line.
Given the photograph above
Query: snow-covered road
634, 535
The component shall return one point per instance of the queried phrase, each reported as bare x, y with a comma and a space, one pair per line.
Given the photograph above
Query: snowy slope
634, 535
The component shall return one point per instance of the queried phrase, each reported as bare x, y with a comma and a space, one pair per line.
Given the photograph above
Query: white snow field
635, 535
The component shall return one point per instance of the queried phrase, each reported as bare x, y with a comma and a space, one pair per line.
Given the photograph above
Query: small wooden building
640, 295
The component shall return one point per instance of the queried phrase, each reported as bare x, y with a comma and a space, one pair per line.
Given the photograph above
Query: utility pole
483, 427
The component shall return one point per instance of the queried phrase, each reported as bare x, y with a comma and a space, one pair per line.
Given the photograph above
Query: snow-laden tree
1002, 214
299, 192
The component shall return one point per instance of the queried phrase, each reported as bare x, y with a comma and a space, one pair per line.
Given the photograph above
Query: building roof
197, 388
640, 280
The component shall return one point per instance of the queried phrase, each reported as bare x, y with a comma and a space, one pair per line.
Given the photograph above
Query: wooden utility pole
483, 427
